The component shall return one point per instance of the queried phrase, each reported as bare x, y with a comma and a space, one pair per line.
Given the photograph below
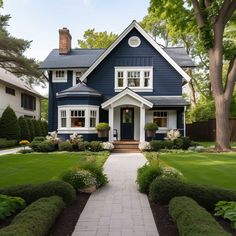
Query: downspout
184, 121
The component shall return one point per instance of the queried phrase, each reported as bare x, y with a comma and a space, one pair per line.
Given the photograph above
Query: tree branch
230, 79
229, 12
198, 14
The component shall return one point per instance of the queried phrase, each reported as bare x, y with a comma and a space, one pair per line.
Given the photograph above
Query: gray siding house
133, 82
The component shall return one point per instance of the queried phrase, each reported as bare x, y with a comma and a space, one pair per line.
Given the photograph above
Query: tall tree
211, 19
93, 39
12, 54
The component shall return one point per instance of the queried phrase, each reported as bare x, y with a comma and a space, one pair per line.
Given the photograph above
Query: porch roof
167, 101
127, 92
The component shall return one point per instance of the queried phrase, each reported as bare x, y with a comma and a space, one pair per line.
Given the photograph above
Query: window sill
78, 130
135, 89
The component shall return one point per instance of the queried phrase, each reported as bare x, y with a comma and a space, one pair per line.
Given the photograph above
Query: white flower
144, 146
108, 146
53, 137
75, 138
172, 134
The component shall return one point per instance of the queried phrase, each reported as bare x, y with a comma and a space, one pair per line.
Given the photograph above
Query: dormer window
139, 79
77, 74
59, 76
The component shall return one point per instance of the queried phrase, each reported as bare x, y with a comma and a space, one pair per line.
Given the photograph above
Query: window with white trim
77, 118
77, 74
60, 73
161, 118
63, 118
136, 78
59, 76
93, 118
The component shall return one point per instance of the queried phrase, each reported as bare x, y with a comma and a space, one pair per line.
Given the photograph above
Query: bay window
136, 78
78, 118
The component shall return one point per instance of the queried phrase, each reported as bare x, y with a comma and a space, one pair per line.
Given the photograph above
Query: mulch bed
166, 227
65, 224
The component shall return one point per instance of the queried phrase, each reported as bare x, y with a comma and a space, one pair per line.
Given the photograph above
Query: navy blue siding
166, 80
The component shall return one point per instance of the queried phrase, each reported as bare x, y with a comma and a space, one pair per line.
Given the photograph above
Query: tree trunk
222, 123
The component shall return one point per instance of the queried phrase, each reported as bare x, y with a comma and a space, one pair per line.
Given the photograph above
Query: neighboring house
22, 98
133, 82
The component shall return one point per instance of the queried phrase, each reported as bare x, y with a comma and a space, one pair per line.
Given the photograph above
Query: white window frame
59, 79
60, 116
141, 69
68, 129
74, 74
162, 128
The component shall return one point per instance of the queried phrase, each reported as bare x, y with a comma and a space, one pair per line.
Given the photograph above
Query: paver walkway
118, 209
10, 151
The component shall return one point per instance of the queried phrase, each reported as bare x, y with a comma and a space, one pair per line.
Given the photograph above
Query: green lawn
208, 144
204, 168
35, 168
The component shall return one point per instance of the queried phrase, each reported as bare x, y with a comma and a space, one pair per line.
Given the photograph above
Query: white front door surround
127, 98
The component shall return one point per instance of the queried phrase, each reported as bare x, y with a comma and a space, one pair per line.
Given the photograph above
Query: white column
142, 123
111, 118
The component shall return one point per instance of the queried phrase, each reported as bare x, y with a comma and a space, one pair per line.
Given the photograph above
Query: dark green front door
127, 123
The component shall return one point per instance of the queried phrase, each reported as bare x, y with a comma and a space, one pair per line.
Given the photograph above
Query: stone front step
126, 147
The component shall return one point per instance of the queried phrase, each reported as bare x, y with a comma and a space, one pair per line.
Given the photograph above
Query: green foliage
4, 143
96, 146
43, 128
9, 127
39, 139
192, 219
31, 128
36, 219
146, 174
82, 146
37, 128
45, 146
102, 126
24, 129
10, 205
32, 192
65, 146
170, 172
79, 179
164, 189
44, 109
151, 126
93, 39
227, 210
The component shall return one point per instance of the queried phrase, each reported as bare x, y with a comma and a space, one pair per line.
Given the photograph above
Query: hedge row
164, 189
192, 219
36, 219
4, 143
32, 192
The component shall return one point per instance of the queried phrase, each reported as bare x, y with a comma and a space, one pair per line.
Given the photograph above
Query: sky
39, 20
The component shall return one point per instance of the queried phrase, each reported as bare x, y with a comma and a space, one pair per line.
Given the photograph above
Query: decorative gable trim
135, 25
125, 92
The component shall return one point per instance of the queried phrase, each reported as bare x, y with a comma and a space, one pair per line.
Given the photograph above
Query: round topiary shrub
9, 127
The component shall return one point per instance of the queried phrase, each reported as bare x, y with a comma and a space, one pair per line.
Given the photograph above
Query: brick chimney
64, 41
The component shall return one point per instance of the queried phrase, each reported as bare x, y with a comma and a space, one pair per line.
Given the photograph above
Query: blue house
133, 82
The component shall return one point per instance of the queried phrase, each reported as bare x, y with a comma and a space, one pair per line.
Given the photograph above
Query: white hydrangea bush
75, 138
53, 137
108, 146
144, 146
173, 134
168, 171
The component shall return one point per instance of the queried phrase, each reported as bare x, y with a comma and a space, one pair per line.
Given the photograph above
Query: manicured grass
217, 169
208, 144
36, 168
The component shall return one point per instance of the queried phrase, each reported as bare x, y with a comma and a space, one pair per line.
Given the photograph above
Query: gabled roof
80, 89
82, 58
12, 80
135, 25
126, 92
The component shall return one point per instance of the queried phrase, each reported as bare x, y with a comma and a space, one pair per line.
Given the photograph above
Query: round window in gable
134, 41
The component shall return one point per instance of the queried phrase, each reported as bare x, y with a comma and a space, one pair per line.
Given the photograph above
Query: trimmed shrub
186, 143
79, 178
36, 219
192, 219
81, 146
157, 145
24, 129
146, 174
170, 172
96, 146
164, 189
45, 146
4, 143
32, 192
37, 128
31, 128
43, 128
9, 127
45, 124
39, 139
65, 146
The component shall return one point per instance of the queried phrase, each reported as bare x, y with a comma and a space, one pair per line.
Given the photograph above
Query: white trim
162, 129
184, 121
59, 79
87, 109
134, 38
142, 70
125, 92
71, 131
74, 75
135, 25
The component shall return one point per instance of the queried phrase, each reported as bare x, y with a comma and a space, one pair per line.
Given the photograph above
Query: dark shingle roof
84, 58
180, 56
76, 58
80, 89
167, 100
